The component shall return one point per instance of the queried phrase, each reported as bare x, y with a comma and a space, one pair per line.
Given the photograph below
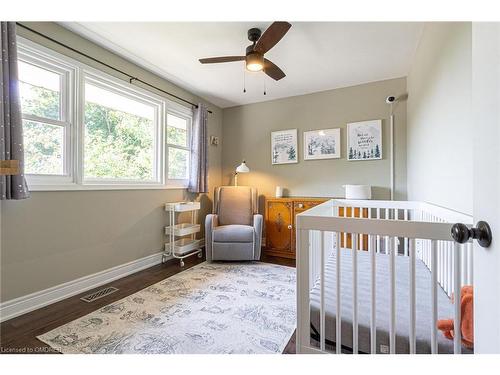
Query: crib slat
338, 319
452, 268
426, 249
412, 294
392, 273
373, 310
434, 301
457, 347
443, 250
354, 293
447, 262
352, 234
322, 290
448, 271
378, 237
470, 259
428, 254
443, 264
406, 239
463, 269
440, 262
303, 290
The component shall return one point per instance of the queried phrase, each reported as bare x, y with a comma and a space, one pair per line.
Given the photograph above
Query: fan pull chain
244, 80
264, 79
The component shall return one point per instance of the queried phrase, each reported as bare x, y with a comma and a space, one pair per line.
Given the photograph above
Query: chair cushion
235, 205
233, 251
233, 233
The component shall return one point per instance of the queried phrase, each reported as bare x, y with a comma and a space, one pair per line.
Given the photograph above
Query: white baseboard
21, 305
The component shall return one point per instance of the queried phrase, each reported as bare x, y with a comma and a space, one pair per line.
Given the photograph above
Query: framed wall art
284, 147
322, 144
364, 140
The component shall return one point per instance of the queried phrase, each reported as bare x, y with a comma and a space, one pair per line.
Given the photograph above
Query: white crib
418, 231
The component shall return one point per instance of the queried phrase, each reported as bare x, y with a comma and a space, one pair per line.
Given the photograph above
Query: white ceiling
315, 56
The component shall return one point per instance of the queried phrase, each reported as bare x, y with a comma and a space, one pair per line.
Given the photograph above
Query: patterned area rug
210, 308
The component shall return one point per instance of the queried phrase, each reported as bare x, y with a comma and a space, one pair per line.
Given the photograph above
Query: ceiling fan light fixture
254, 67
254, 55
255, 62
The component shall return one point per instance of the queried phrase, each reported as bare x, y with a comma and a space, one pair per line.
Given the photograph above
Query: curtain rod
131, 78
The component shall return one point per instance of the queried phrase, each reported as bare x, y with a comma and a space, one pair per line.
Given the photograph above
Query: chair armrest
211, 221
257, 225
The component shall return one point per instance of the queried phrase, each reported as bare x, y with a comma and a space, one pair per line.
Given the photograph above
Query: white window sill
76, 187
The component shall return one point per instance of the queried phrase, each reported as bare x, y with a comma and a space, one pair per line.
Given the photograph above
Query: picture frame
364, 140
284, 147
322, 144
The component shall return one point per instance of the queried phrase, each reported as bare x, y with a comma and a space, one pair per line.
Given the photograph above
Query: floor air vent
99, 294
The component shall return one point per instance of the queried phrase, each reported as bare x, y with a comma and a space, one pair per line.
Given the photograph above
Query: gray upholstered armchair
234, 230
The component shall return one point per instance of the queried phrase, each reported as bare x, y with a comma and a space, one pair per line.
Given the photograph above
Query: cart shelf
182, 206
183, 246
183, 229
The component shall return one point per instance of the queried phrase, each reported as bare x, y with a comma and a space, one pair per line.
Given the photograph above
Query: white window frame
67, 72
73, 101
118, 87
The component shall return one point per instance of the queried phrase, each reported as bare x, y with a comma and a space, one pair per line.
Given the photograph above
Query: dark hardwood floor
18, 335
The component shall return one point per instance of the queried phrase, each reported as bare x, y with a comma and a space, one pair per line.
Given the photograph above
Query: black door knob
461, 233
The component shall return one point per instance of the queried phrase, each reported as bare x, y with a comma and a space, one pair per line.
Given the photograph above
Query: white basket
183, 246
183, 229
182, 206
358, 191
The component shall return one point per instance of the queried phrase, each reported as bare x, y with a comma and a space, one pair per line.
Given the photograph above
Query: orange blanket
467, 315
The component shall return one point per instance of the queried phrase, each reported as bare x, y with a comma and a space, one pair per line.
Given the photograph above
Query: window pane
176, 130
43, 148
119, 136
40, 91
177, 164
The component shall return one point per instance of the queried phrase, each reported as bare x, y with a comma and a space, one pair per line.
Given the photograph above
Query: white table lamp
242, 168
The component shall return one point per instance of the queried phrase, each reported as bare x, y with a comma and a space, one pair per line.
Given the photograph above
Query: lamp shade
255, 61
242, 168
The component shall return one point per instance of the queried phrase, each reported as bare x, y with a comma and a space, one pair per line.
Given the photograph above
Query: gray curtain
11, 127
198, 180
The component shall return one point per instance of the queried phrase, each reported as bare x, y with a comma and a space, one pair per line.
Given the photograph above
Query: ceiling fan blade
272, 70
271, 36
222, 59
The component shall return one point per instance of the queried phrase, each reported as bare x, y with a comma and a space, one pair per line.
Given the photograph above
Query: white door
486, 128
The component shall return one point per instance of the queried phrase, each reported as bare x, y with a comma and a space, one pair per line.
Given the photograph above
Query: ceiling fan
261, 43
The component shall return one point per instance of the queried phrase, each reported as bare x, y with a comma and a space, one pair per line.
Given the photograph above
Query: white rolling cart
185, 246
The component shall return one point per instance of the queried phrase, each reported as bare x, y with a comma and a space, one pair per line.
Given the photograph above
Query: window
40, 91
84, 129
44, 148
42, 86
178, 147
120, 136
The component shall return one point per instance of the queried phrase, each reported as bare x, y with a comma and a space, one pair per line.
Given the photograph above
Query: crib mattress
383, 306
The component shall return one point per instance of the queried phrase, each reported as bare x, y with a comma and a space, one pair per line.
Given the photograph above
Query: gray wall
55, 237
247, 130
439, 118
